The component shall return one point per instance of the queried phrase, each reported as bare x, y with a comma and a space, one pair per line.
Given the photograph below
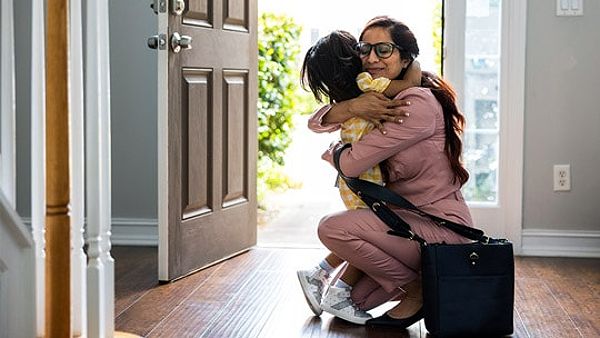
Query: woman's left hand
377, 108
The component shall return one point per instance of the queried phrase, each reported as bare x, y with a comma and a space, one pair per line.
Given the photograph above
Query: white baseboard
561, 243
535, 242
134, 231
129, 231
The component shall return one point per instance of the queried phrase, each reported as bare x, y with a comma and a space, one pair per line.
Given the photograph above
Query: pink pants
389, 262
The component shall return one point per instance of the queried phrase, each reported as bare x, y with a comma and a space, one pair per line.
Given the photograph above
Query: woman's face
381, 67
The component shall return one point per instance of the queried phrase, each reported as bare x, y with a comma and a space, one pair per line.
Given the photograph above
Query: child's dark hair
330, 68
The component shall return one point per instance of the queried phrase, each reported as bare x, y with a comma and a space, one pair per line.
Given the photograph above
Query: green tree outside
278, 84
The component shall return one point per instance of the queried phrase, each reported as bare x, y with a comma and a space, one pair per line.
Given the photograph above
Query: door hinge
159, 6
177, 7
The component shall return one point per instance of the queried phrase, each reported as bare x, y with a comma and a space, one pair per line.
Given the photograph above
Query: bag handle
377, 198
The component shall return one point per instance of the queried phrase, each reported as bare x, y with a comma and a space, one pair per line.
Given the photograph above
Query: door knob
179, 42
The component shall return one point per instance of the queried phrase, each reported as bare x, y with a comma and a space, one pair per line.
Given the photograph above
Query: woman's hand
377, 108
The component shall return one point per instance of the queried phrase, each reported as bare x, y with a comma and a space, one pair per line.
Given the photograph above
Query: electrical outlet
562, 177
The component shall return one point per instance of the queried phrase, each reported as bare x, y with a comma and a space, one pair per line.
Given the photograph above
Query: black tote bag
468, 289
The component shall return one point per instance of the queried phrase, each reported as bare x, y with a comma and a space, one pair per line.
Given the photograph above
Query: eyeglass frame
374, 45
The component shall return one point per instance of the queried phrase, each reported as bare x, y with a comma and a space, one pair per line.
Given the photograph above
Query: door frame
511, 101
163, 147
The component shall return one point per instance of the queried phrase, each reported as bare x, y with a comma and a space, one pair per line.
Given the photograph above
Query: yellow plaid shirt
353, 130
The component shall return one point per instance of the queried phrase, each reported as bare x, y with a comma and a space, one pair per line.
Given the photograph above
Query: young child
332, 69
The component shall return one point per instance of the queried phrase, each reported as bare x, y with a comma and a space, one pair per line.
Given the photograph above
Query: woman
332, 70
422, 159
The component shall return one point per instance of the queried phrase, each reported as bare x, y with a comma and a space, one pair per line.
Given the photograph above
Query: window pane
482, 63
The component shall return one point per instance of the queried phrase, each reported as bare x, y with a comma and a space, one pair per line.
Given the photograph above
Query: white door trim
163, 149
512, 119
511, 102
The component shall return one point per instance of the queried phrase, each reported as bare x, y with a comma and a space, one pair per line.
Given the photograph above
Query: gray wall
562, 117
133, 97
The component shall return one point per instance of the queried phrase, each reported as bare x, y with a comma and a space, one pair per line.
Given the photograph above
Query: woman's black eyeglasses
382, 49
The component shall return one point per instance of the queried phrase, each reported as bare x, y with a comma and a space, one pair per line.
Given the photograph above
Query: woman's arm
374, 148
412, 78
371, 106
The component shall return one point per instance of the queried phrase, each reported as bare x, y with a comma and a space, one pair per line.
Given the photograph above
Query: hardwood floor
256, 294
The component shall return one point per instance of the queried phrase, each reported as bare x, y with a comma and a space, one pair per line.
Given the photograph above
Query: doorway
290, 218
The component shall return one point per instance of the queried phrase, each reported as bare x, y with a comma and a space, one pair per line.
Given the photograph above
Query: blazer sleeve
315, 122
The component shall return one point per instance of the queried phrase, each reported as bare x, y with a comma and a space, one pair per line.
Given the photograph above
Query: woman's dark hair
330, 68
454, 120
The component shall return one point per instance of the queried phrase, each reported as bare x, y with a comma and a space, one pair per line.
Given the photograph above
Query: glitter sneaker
337, 301
312, 283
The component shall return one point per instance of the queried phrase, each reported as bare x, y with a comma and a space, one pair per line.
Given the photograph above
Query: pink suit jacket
411, 152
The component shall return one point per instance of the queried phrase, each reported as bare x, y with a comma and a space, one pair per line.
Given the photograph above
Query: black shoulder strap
377, 198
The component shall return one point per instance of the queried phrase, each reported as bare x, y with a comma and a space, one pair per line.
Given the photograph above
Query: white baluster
38, 155
101, 264
78, 259
105, 164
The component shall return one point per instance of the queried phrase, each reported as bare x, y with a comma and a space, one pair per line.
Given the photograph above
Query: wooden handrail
58, 243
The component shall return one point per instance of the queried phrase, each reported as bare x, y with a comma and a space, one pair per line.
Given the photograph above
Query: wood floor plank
542, 315
214, 300
257, 295
135, 274
580, 302
156, 306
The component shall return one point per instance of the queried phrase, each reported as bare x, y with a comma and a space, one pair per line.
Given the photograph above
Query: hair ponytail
454, 122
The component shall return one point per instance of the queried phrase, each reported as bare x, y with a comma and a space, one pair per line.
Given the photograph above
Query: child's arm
412, 78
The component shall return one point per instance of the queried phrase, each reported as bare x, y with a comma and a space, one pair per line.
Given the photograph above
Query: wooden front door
207, 134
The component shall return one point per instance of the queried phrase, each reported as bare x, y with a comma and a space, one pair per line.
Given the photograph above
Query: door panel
235, 147
199, 13
236, 15
197, 151
210, 198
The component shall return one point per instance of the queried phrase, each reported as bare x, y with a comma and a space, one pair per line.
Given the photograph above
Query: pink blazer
411, 152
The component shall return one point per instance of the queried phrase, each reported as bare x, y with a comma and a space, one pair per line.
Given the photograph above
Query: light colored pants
360, 238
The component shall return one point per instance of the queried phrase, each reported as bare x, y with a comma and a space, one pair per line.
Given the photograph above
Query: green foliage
271, 177
278, 79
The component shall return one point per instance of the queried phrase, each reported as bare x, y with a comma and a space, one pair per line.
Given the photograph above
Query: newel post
58, 242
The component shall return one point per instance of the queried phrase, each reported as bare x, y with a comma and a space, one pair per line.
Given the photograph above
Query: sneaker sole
344, 316
313, 304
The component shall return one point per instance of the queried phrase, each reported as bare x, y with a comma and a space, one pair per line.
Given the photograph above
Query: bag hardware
473, 257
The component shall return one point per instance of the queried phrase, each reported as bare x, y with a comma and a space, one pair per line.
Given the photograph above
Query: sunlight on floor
292, 216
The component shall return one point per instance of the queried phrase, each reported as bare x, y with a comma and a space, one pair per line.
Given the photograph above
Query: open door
207, 132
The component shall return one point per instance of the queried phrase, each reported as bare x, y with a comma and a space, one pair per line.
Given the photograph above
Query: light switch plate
569, 7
